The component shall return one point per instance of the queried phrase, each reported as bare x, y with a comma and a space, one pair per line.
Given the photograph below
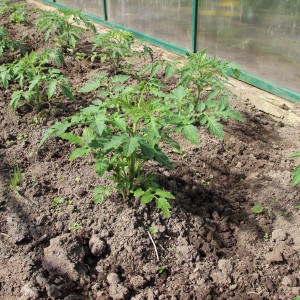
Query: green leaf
138, 193
88, 134
67, 92
257, 209
213, 124
164, 194
297, 154
51, 88
100, 123
120, 123
162, 158
120, 78
296, 176
79, 152
15, 98
147, 198
147, 150
164, 205
191, 133
101, 166
115, 142
90, 86
73, 138
101, 192
130, 146
214, 93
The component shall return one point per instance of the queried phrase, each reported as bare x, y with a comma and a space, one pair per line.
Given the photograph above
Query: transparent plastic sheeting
167, 20
93, 7
263, 36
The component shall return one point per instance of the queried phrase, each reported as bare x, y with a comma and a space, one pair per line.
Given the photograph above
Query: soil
212, 247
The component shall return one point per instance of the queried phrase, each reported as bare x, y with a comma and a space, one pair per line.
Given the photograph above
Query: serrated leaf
213, 125
170, 70
164, 194
67, 92
191, 133
162, 158
51, 88
88, 135
100, 124
119, 78
90, 86
73, 138
164, 205
115, 142
120, 123
130, 146
146, 150
138, 193
214, 93
257, 209
101, 166
15, 98
79, 152
296, 176
147, 198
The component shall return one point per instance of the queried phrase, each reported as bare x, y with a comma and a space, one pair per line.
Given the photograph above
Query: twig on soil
155, 249
4, 234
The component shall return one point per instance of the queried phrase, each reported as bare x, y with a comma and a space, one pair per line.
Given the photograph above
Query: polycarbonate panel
262, 35
167, 20
93, 7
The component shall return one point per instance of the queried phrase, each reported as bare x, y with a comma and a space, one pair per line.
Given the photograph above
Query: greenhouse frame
262, 36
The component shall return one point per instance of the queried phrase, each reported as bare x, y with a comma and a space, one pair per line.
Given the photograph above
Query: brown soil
212, 247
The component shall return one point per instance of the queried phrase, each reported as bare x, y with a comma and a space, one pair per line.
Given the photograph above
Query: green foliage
257, 209
16, 180
124, 132
153, 230
7, 44
203, 94
17, 11
116, 46
63, 26
38, 81
296, 171
57, 201
75, 227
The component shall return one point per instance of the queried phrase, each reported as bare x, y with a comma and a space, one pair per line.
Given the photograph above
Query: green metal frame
194, 26
244, 76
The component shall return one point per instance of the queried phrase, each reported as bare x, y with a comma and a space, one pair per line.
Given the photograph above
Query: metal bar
104, 6
194, 25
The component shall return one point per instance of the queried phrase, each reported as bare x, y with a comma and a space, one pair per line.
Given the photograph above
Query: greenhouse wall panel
263, 36
168, 20
93, 7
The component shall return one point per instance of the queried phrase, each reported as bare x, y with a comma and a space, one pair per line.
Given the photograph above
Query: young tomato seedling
124, 132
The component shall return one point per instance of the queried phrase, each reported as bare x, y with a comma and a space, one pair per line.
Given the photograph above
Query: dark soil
212, 247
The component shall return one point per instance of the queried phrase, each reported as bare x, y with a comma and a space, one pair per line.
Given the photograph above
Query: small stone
113, 278
225, 266
29, 292
279, 235
118, 292
274, 257
137, 281
220, 278
290, 281
97, 246
150, 268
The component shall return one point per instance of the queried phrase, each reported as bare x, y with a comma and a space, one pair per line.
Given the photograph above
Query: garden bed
212, 247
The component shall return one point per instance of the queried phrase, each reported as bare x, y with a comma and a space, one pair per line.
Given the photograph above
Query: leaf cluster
7, 44
124, 132
64, 26
296, 171
35, 79
117, 47
17, 11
